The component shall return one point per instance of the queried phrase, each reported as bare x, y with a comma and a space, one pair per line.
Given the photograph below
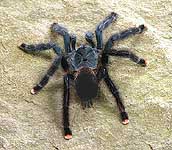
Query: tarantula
86, 65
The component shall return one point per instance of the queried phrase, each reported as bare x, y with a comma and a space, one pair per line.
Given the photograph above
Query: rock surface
35, 122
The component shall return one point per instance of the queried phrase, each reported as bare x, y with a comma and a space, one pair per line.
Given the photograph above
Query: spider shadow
102, 102
55, 102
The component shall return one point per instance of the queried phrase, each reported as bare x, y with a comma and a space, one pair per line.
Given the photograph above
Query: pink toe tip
146, 62
32, 92
68, 136
126, 121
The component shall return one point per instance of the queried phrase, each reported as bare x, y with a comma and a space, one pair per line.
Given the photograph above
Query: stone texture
34, 122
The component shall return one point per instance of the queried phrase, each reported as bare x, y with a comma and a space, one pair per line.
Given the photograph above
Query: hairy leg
64, 64
127, 54
56, 28
123, 35
89, 38
100, 73
102, 26
73, 41
66, 97
114, 91
46, 77
40, 47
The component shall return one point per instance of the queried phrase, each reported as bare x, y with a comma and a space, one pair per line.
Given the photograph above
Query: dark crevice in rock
55, 147
150, 146
30, 102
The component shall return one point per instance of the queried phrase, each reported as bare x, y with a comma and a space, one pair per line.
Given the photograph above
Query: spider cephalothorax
86, 66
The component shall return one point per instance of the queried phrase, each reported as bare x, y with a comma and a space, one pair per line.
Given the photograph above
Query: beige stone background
34, 122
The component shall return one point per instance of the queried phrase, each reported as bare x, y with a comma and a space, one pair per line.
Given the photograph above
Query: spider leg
128, 54
73, 41
40, 47
66, 97
64, 64
113, 89
122, 35
100, 74
56, 28
102, 26
89, 38
46, 77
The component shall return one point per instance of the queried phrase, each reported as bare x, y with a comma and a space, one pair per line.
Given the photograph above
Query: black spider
86, 65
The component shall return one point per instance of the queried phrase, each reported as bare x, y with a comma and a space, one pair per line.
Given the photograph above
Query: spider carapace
86, 66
